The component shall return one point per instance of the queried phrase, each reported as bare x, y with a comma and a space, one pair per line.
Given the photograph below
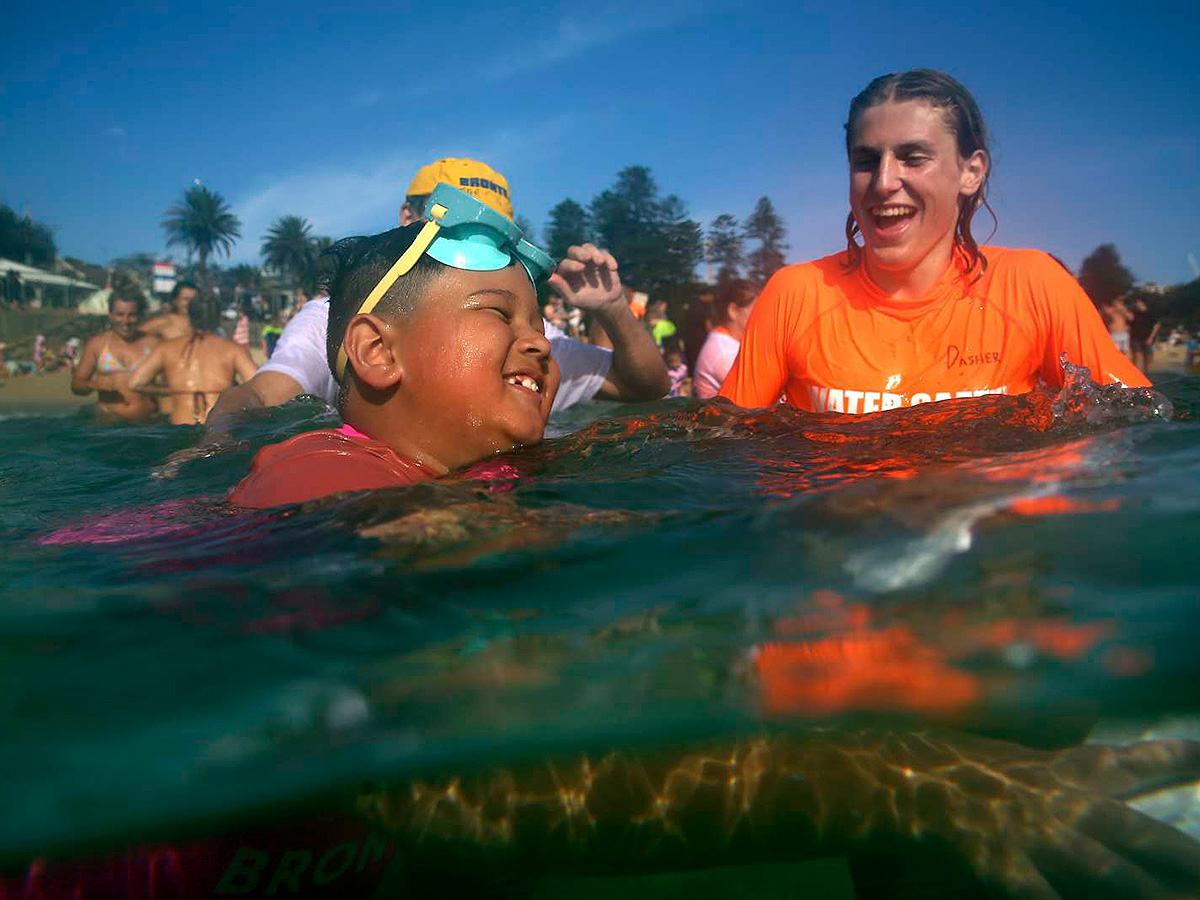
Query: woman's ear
371, 348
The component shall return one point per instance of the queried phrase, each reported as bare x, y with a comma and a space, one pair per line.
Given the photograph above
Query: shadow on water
681, 573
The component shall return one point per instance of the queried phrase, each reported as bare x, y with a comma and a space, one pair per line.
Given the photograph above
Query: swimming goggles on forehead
463, 233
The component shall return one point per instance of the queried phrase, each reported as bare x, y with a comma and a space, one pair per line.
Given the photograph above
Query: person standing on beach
110, 357
918, 312
174, 323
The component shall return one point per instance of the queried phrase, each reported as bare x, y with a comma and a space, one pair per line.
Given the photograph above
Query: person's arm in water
258, 390
589, 279
243, 365
84, 380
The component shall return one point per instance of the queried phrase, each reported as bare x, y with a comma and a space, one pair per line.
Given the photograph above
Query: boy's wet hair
353, 266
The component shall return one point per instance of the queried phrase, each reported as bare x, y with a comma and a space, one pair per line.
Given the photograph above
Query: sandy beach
49, 391
52, 391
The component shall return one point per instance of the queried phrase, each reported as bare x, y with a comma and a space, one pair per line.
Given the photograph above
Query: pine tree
726, 248
654, 240
568, 226
1103, 276
765, 226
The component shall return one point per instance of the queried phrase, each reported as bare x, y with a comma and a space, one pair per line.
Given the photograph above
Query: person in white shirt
632, 370
733, 304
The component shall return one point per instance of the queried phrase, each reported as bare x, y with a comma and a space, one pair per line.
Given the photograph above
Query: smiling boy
440, 355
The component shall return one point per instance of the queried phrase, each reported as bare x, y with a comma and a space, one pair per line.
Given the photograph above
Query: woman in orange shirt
918, 311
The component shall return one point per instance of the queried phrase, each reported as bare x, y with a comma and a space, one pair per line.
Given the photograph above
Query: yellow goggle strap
407, 260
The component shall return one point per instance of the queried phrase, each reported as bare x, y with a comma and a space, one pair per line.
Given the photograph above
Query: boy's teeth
524, 381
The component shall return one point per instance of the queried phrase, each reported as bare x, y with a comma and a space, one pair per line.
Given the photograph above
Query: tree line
658, 245
655, 241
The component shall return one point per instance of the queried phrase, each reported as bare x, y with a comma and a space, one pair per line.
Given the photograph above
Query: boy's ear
371, 348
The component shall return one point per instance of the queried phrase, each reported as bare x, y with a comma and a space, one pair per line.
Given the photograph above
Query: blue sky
107, 113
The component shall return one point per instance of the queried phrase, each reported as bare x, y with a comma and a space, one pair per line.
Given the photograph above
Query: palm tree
202, 223
288, 247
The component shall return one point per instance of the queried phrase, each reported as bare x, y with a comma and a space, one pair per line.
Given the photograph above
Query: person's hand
170, 468
1045, 825
588, 279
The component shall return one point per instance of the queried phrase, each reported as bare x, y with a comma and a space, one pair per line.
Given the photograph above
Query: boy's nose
534, 343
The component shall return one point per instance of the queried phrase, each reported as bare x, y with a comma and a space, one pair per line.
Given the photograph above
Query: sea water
167, 658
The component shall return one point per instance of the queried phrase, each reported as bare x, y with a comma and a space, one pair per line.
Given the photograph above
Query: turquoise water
167, 659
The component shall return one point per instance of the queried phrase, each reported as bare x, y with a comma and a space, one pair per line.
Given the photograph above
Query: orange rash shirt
319, 463
830, 340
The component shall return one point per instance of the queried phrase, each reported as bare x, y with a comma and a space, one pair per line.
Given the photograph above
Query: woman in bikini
110, 357
196, 368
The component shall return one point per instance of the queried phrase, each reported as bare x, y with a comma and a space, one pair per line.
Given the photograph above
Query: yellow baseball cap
478, 179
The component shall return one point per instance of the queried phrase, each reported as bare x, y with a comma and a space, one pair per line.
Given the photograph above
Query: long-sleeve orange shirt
830, 340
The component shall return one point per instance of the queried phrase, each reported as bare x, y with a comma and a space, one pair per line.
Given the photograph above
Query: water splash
1084, 401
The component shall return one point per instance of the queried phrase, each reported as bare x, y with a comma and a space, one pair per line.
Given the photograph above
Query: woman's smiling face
907, 182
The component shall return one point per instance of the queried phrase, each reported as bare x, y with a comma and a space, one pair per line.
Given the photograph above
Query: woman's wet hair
352, 267
736, 292
203, 314
964, 120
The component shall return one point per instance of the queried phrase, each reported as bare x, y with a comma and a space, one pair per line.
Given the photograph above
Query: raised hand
588, 278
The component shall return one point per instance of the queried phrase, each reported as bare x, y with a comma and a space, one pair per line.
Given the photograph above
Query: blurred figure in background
732, 307
174, 323
660, 326
197, 367
677, 370
1117, 317
110, 357
1143, 332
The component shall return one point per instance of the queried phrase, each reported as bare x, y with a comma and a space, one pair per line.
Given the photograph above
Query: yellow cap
478, 179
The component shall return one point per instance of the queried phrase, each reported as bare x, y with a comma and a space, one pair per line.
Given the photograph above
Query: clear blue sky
325, 110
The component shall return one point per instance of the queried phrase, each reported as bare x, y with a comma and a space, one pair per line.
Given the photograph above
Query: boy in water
437, 342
